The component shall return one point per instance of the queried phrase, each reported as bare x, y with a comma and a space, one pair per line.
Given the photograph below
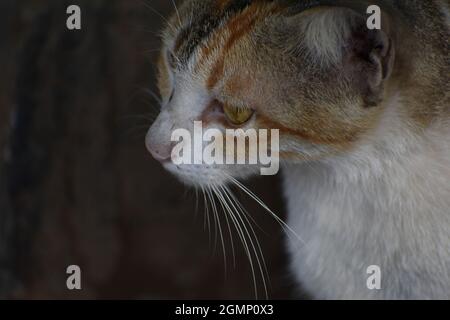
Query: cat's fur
364, 119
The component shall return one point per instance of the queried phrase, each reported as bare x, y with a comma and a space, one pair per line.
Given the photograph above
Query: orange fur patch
342, 141
237, 28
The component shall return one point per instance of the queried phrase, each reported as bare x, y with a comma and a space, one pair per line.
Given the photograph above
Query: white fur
387, 203
325, 32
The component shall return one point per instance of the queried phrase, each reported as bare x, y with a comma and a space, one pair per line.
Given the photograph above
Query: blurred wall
76, 183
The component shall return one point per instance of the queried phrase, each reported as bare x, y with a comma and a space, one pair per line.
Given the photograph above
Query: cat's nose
159, 151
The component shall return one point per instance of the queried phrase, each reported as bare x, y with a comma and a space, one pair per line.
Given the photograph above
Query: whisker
196, 202
258, 200
153, 95
178, 13
150, 51
252, 242
248, 217
207, 221
138, 117
231, 236
135, 132
214, 219
240, 232
147, 5
215, 213
239, 204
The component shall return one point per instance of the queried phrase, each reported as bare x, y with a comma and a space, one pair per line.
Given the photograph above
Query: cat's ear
341, 37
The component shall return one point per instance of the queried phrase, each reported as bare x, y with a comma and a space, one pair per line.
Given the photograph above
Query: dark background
76, 183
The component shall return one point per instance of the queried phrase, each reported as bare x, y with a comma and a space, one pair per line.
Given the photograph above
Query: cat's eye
237, 116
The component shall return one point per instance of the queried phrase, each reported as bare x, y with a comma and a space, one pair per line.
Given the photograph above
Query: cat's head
315, 74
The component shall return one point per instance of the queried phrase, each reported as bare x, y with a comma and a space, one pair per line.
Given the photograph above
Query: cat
364, 124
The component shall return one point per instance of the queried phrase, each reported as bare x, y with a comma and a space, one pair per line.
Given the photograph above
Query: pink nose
160, 152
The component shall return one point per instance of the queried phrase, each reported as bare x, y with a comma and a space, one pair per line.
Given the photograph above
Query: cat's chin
197, 176
203, 175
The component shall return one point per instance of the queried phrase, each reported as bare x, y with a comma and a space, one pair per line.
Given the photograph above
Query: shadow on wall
76, 183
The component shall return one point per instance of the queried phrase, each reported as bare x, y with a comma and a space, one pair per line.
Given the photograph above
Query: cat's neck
394, 163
